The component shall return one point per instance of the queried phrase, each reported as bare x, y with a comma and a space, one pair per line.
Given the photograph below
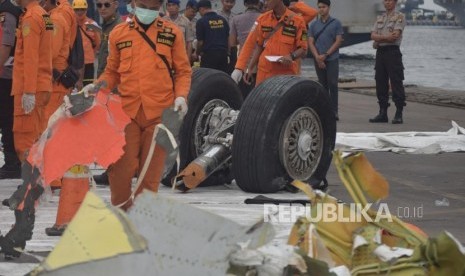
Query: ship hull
457, 7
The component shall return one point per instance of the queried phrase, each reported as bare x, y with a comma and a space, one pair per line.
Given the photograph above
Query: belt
388, 48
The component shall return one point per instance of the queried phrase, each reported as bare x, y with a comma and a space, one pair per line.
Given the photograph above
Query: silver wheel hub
301, 143
201, 127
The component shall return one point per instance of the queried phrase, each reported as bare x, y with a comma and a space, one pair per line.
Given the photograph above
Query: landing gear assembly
284, 130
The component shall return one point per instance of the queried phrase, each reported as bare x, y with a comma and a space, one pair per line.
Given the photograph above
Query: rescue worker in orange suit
308, 13
147, 88
32, 83
278, 32
90, 39
9, 18
60, 52
32, 75
64, 7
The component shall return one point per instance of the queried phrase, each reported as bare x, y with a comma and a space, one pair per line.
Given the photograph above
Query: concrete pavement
427, 190
415, 180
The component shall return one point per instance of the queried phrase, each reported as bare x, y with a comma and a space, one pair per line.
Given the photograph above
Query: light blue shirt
327, 37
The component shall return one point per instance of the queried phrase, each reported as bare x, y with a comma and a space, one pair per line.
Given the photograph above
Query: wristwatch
293, 57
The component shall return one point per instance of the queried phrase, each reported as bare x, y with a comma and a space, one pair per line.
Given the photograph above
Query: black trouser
232, 60
247, 88
6, 122
389, 67
329, 78
215, 59
88, 74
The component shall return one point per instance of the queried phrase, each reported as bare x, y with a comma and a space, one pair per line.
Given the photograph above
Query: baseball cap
204, 4
192, 4
327, 2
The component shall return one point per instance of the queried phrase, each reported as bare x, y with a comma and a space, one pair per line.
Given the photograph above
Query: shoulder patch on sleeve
26, 30
304, 35
48, 22
124, 44
267, 28
254, 26
400, 17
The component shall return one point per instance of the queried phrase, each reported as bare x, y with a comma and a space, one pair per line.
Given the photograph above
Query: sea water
432, 56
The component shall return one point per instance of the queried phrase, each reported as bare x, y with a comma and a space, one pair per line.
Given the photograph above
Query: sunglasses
106, 5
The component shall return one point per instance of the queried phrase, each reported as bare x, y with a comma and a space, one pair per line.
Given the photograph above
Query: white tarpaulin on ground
412, 142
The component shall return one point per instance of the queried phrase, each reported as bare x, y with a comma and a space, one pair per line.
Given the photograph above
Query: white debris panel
411, 142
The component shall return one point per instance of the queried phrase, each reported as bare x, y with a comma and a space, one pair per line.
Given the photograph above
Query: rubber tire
207, 84
256, 164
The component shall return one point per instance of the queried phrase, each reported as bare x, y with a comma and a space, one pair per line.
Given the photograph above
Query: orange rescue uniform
146, 89
32, 73
89, 37
64, 7
60, 53
291, 36
308, 13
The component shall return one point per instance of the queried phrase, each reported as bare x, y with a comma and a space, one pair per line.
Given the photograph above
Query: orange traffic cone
74, 186
55, 184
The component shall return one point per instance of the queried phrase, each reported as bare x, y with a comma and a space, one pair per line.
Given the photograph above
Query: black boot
14, 242
12, 167
398, 117
8, 171
55, 230
102, 179
381, 117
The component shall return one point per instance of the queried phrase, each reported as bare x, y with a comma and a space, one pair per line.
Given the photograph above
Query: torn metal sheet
269, 259
377, 246
181, 240
387, 254
98, 231
411, 142
185, 240
99, 132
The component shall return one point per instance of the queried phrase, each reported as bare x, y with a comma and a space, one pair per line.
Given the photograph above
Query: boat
456, 7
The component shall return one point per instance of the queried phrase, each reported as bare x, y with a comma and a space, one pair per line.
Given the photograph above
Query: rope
149, 158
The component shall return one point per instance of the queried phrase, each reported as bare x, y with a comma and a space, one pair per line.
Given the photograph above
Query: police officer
228, 14
182, 22
387, 36
212, 38
9, 15
240, 28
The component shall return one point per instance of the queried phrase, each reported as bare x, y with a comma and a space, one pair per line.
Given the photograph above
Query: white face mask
146, 16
